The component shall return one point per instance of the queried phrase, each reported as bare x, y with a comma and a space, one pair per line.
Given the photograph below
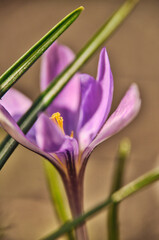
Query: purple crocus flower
76, 121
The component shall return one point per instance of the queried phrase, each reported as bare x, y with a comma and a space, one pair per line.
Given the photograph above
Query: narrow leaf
56, 191
123, 153
116, 197
22, 65
46, 97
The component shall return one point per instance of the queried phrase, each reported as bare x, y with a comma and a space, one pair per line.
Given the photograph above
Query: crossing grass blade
8, 78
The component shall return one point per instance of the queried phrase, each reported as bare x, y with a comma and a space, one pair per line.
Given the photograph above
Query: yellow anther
58, 120
72, 134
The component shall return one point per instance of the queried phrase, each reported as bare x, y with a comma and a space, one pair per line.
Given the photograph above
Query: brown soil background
25, 207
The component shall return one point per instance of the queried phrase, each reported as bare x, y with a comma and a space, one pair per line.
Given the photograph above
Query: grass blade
46, 97
56, 191
8, 78
123, 153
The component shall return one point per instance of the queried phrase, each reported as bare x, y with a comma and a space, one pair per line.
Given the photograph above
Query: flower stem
116, 197
74, 190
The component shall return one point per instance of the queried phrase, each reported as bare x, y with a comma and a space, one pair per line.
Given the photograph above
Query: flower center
58, 120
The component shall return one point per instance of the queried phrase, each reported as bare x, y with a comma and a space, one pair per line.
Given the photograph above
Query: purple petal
90, 98
10, 126
69, 152
67, 103
55, 59
16, 103
49, 137
123, 115
105, 84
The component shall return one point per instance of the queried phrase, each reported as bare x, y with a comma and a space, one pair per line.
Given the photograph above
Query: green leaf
56, 191
123, 153
46, 97
116, 197
57, 196
22, 65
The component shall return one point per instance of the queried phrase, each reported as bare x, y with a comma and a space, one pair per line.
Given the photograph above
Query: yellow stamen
72, 134
58, 120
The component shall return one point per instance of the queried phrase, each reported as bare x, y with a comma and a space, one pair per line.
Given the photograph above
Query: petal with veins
49, 136
104, 99
54, 61
123, 115
11, 127
16, 103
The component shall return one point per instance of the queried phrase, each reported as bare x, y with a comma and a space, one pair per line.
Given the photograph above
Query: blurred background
25, 208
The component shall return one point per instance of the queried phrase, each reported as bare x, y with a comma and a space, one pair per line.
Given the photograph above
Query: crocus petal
11, 127
71, 145
16, 103
69, 152
90, 98
105, 82
124, 114
49, 137
54, 61
67, 103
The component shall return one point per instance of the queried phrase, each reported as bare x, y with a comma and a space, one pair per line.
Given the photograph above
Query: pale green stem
56, 191
123, 153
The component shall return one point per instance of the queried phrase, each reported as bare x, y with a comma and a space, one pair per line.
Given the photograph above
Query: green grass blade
123, 153
116, 197
22, 65
57, 197
46, 97
56, 190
